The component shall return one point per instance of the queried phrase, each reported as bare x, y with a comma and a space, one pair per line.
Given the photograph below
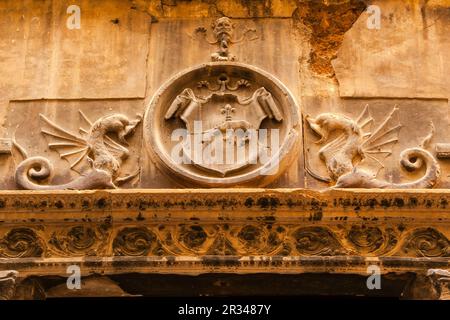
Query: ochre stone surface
42, 59
361, 111
407, 57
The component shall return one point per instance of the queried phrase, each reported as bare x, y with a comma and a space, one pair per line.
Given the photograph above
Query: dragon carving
354, 151
95, 145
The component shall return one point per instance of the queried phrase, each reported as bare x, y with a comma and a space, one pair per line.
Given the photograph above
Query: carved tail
414, 159
40, 168
411, 159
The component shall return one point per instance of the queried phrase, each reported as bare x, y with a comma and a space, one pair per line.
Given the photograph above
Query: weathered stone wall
323, 51
351, 100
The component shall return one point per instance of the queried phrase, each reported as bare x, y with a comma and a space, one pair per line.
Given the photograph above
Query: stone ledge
189, 231
190, 265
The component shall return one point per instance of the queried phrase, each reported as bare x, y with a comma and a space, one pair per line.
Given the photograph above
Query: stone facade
230, 137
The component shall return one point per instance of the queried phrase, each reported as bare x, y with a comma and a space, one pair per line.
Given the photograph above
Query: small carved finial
223, 32
224, 36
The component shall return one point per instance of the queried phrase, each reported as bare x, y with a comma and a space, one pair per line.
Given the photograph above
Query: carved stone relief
225, 106
7, 284
213, 125
440, 280
367, 151
103, 154
94, 154
370, 146
242, 239
223, 30
261, 105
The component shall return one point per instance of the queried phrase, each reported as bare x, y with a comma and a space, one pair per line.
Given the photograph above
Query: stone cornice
409, 202
192, 231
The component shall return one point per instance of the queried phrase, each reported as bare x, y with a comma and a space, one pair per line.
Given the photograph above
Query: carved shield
223, 123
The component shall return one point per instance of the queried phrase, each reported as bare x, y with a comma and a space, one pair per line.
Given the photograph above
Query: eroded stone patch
326, 22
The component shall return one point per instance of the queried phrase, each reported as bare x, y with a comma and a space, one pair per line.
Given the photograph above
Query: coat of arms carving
223, 124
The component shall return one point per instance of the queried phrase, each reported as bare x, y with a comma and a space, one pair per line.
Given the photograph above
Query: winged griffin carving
93, 145
354, 156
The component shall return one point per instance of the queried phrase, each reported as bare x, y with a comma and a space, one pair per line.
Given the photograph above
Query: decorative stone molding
441, 282
7, 284
245, 230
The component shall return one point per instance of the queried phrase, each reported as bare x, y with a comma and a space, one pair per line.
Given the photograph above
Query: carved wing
378, 144
70, 147
333, 147
116, 149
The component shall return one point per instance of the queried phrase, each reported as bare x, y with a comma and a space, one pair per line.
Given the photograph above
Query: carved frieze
226, 124
280, 239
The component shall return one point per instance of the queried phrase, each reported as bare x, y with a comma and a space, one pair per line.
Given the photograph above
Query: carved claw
111, 185
124, 179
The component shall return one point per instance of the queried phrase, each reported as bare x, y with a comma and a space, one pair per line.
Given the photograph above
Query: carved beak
121, 135
323, 134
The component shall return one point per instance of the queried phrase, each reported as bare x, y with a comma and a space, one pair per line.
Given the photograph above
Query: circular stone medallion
223, 124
